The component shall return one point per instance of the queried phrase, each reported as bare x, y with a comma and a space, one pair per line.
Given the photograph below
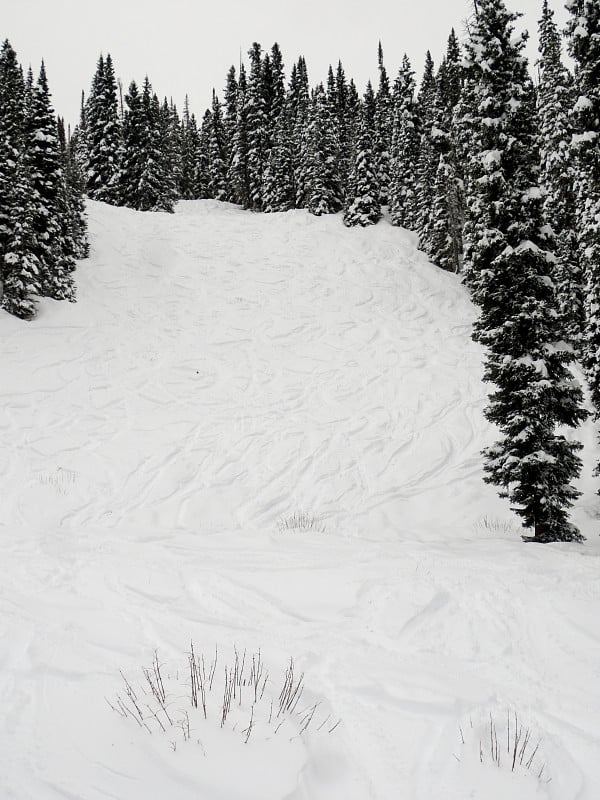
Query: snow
221, 373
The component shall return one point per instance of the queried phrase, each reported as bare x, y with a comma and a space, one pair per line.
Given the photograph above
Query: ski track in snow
223, 370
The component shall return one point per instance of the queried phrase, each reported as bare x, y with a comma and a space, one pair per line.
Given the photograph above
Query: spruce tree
324, 191
134, 152
217, 153
383, 130
103, 135
362, 202
238, 178
22, 270
405, 149
48, 201
508, 257
278, 183
555, 100
428, 150
256, 126
11, 134
583, 30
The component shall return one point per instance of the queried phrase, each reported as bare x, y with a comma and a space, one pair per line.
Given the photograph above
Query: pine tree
299, 97
134, 153
362, 203
48, 200
508, 258
278, 184
78, 217
555, 100
583, 30
405, 149
383, 131
217, 153
103, 135
238, 178
428, 151
12, 91
21, 267
190, 143
256, 122
324, 191
440, 231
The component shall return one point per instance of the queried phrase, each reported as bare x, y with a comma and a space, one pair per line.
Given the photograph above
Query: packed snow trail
222, 371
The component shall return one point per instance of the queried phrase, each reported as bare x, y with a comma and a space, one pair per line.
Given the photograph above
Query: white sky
188, 45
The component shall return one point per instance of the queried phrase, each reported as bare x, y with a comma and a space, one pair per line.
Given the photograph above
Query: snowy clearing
263, 432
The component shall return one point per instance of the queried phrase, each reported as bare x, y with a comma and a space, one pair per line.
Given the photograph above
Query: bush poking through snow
495, 526
300, 521
505, 743
234, 693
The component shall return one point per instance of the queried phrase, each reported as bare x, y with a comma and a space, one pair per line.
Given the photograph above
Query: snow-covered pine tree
324, 191
362, 201
429, 152
103, 135
72, 218
278, 183
190, 143
441, 236
583, 29
217, 153
230, 121
238, 179
383, 130
299, 100
49, 207
170, 154
12, 90
203, 189
508, 260
405, 149
155, 189
555, 100
256, 122
21, 267
134, 149
75, 184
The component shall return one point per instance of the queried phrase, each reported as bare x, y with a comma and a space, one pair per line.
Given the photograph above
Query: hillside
222, 373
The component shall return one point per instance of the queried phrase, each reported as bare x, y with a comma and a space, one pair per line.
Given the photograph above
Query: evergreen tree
11, 135
278, 184
190, 143
299, 97
429, 151
238, 178
48, 197
583, 30
508, 253
362, 203
217, 153
383, 131
256, 122
555, 100
134, 151
78, 217
229, 122
103, 135
405, 149
324, 192
21, 267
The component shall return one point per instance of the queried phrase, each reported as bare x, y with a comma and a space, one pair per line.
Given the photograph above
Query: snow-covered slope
221, 373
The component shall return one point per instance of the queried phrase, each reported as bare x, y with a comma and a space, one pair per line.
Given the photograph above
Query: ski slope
222, 372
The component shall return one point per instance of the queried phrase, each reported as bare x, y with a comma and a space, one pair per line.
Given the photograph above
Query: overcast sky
186, 46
